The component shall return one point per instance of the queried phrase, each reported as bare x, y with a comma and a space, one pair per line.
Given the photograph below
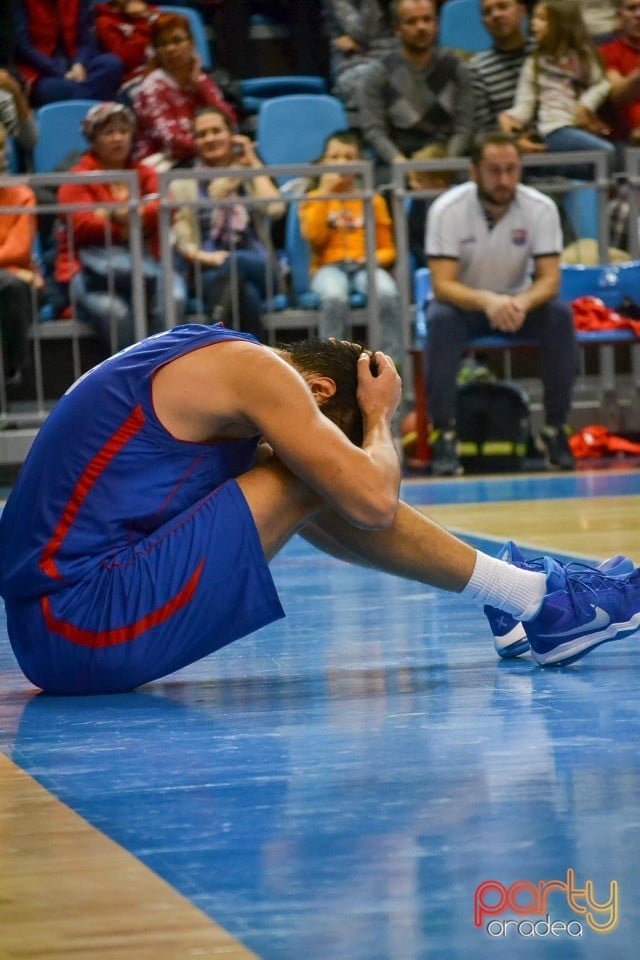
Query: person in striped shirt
495, 72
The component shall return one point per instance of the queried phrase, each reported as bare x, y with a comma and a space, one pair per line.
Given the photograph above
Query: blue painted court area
342, 785
566, 486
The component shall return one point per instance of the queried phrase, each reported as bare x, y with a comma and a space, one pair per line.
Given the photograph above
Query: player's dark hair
338, 360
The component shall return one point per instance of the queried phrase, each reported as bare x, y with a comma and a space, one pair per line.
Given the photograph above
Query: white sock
505, 586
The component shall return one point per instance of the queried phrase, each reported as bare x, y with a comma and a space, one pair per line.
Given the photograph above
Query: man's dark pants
450, 330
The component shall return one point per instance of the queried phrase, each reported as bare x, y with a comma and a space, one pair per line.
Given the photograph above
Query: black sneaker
554, 443
444, 454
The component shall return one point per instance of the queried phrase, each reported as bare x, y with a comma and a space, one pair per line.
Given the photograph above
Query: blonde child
425, 180
562, 84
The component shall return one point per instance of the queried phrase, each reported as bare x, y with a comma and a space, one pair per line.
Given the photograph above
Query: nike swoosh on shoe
600, 620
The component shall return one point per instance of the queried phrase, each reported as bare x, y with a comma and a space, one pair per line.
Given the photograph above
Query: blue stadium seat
461, 27
609, 282
59, 132
258, 89
198, 31
292, 129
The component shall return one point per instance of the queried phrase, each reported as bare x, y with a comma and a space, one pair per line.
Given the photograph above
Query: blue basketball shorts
189, 588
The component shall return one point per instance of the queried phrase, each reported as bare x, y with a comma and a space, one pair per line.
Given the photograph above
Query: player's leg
280, 503
567, 610
417, 548
414, 547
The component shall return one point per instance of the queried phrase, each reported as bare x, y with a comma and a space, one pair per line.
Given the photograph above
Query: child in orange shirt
335, 230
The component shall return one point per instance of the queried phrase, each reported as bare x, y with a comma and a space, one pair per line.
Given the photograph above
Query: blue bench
609, 282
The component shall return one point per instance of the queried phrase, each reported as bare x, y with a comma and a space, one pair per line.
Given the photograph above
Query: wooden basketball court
344, 784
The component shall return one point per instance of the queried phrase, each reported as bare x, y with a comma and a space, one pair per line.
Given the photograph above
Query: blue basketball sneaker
589, 609
509, 635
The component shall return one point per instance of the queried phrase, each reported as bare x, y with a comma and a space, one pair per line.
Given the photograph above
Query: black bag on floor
494, 427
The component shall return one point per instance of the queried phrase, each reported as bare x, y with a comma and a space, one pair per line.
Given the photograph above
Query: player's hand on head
379, 386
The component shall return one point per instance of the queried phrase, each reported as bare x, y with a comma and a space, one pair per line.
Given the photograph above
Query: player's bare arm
259, 392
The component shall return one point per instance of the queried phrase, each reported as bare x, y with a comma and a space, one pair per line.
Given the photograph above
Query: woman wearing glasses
174, 88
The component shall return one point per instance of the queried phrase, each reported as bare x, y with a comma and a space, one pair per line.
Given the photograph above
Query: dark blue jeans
450, 330
104, 75
16, 314
250, 267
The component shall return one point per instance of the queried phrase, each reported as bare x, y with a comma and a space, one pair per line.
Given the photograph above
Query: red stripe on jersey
123, 434
113, 637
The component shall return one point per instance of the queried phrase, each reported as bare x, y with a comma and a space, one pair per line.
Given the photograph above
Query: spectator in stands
495, 72
16, 114
360, 30
124, 28
335, 230
20, 279
174, 88
562, 85
622, 62
482, 237
439, 180
227, 245
93, 256
304, 24
418, 95
231, 25
307, 35
600, 19
58, 55
8, 18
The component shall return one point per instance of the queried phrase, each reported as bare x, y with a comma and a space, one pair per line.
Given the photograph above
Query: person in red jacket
621, 58
174, 88
93, 244
123, 27
58, 54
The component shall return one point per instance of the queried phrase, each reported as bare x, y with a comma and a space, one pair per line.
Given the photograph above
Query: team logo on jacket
519, 237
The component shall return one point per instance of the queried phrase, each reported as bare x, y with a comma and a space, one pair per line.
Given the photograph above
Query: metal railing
284, 312
557, 185
402, 193
289, 315
632, 178
31, 411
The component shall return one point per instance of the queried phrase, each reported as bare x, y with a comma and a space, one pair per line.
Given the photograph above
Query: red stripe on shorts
117, 635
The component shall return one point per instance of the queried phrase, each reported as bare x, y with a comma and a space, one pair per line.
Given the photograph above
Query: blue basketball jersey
103, 473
